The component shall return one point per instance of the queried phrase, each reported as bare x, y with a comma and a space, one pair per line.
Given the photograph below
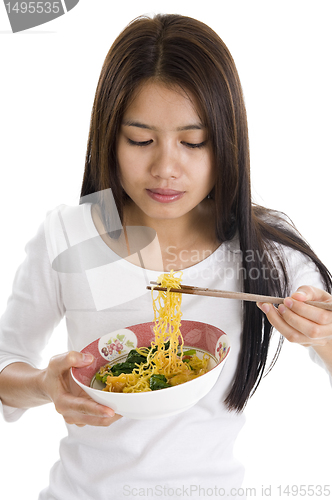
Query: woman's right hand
69, 399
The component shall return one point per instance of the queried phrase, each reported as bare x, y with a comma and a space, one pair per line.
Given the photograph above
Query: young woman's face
164, 155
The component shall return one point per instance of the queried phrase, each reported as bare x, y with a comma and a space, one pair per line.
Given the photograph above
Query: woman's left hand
302, 323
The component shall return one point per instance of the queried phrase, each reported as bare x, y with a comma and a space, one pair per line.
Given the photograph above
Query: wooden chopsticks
194, 290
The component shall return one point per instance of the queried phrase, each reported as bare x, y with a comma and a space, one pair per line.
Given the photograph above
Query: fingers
84, 411
302, 319
299, 308
311, 293
288, 331
300, 322
69, 399
63, 362
313, 322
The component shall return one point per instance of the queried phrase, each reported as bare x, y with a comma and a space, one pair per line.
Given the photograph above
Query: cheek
205, 172
211, 171
127, 167
130, 175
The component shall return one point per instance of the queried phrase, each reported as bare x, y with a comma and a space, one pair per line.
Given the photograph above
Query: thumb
72, 359
304, 293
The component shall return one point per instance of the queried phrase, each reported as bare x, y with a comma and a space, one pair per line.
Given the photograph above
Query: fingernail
264, 307
282, 308
288, 303
88, 358
301, 293
109, 413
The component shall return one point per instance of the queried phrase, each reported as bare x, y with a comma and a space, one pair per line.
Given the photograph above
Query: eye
143, 143
194, 146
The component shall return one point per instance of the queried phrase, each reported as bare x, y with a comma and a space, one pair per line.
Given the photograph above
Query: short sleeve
34, 309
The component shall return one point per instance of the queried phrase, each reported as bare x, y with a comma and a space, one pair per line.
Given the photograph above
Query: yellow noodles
163, 360
167, 318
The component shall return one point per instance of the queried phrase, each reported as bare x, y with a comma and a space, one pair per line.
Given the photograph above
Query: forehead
156, 103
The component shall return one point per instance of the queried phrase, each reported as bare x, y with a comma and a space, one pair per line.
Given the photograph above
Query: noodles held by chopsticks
166, 364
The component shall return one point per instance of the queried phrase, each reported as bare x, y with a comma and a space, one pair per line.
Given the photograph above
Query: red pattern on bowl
194, 333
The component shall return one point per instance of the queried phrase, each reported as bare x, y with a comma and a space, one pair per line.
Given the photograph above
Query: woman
169, 138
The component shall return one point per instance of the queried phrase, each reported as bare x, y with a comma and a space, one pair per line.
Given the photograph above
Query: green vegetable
166, 344
158, 382
103, 378
122, 368
134, 358
191, 352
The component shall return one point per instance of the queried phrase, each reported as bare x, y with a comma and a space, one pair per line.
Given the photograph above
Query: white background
48, 78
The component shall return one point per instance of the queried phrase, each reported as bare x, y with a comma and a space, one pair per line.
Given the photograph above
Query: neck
183, 241
180, 243
183, 229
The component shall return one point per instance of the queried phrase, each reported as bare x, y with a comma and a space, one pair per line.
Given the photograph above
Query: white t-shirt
190, 454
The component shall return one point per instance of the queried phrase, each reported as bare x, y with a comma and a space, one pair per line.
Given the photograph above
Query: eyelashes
195, 146
147, 143
141, 144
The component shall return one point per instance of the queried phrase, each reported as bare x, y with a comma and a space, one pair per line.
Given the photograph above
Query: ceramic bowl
114, 347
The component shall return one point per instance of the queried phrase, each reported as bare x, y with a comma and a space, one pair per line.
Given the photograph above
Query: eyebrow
193, 126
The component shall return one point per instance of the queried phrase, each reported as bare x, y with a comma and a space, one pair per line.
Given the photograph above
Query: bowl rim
121, 394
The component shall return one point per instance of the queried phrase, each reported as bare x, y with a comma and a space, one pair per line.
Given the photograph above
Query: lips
165, 195
166, 192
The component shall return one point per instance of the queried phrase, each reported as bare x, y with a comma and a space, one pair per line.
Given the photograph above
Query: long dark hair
181, 51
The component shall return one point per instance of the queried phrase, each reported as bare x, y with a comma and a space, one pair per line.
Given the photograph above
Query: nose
166, 163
